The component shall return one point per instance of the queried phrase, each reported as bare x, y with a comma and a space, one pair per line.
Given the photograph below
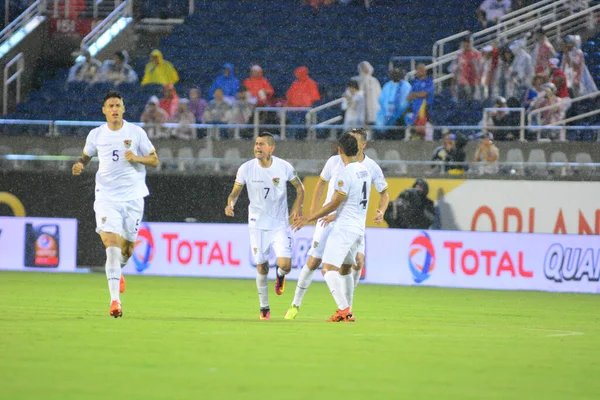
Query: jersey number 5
364, 195
115, 156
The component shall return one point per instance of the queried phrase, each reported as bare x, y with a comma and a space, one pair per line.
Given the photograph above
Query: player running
324, 226
266, 179
351, 201
123, 151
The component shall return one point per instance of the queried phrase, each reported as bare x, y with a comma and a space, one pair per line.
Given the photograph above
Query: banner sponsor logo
421, 257
563, 263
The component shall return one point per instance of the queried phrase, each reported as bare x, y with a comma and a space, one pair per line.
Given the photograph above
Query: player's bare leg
113, 270
332, 276
284, 266
262, 284
304, 281
126, 252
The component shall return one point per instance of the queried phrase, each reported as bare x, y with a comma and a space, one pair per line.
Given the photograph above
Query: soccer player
265, 178
123, 151
332, 168
350, 201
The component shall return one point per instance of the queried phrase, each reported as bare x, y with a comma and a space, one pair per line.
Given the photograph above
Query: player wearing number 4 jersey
332, 169
265, 178
123, 151
351, 201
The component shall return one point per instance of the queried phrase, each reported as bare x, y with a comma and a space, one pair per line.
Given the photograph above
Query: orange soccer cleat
340, 315
265, 313
115, 309
279, 284
350, 317
122, 284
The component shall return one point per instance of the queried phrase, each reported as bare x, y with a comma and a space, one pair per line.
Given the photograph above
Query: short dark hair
396, 74
120, 55
113, 94
348, 144
360, 131
269, 137
352, 84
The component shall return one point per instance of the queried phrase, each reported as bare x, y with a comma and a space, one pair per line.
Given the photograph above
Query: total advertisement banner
38, 244
510, 261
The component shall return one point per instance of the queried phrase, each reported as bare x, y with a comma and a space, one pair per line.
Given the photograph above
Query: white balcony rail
311, 116
19, 60
282, 113
585, 19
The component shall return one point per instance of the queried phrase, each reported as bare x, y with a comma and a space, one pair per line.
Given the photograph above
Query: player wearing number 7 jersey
123, 151
265, 178
351, 201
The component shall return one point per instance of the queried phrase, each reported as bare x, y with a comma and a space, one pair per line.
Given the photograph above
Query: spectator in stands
197, 104
354, 106
159, 70
491, 58
259, 87
554, 114
521, 69
467, 70
441, 152
154, 116
488, 153
242, 112
118, 70
227, 82
218, 111
184, 117
304, 91
536, 88
393, 103
370, 88
502, 118
170, 99
558, 79
490, 12
457, 155
504, 83
579, 79
422, 100
85, 71
542, 53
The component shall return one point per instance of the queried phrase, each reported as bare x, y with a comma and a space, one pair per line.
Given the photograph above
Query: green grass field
184, 338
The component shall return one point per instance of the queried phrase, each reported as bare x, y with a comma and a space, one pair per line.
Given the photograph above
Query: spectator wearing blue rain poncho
226, 82
393, 103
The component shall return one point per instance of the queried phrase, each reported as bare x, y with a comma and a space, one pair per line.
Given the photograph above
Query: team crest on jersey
340, 183
254, 249
103, 220
127, 143
315, 244
275, 181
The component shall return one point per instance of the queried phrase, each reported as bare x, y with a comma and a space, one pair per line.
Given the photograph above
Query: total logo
421, 257
571, 263
143, 252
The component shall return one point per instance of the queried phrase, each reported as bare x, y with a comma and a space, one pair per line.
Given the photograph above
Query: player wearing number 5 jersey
265, 178
351, 201
123, 151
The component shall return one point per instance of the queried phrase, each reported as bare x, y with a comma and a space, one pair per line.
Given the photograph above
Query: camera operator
412, 209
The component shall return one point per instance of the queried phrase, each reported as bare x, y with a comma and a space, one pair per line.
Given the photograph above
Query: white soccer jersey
354, 182
267, 191
335, 165
117, 179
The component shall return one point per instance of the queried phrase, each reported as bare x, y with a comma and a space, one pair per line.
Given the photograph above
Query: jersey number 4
364, 195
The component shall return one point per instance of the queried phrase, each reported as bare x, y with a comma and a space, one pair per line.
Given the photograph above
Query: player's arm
384, 201
80, 165
151, 160
337, 199
317, 193
233, 198
297, 207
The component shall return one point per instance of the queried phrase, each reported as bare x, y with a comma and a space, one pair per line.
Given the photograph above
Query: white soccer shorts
319, 239
341, 247
261, 242
120, 217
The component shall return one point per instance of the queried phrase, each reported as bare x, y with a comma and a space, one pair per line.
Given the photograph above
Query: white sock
304, 281
124, 259
334, 282
348, 286
263, 289
113, 271
281, 272
356, 276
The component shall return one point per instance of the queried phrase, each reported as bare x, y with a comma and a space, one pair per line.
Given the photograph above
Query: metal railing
25, 23
282, 112
587, 18
19, 59
311, 116
521, 111
534, 115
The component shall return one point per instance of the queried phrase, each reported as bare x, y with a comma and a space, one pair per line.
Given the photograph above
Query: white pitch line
566, 334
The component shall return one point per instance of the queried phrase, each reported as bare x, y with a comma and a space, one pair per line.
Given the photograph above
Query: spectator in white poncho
370, 88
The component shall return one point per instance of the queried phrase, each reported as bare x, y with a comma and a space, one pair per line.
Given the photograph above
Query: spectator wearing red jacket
304, 91
558, 78
261, 91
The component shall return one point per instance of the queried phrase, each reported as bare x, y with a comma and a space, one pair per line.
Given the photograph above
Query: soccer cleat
291, 312
340, 315
350, 317
265, 313
115, 309
279, 284
122, 284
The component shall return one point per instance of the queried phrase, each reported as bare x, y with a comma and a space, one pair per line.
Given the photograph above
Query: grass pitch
184, 338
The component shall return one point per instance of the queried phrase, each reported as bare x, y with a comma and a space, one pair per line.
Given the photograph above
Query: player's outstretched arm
297, 207
317, 193
232, 199
328, 208
384, 201
80, 165
151, 160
